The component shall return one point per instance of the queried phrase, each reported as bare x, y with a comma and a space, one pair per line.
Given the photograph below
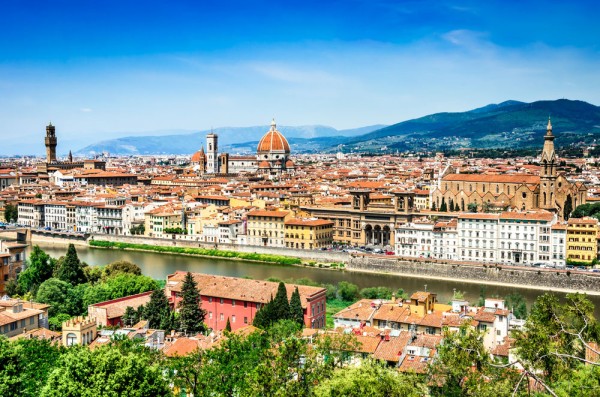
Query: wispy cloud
85, 110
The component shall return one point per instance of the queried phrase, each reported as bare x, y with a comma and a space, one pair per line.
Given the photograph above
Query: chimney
394, 297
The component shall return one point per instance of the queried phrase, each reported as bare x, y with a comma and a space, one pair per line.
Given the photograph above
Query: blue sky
103, 69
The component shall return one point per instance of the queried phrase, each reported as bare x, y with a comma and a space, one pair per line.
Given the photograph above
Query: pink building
239, 299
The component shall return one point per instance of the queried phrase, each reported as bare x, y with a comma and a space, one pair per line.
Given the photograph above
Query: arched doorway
368, 234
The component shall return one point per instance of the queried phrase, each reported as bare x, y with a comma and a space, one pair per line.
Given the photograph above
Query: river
158, 266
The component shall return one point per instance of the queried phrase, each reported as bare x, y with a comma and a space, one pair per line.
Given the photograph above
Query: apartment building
267, 228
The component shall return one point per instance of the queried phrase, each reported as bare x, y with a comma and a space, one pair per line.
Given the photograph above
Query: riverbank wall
49, 239
552, 280
317, 256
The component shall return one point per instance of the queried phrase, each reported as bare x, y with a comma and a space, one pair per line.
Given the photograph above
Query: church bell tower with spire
548, 172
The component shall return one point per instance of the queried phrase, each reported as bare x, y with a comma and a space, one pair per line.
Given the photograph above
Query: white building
559, 244
229, 231
31, 213
55, 215
415, 240
525, 236
477, 234
445, 240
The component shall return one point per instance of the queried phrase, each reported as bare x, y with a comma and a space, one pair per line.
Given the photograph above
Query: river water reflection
158, 266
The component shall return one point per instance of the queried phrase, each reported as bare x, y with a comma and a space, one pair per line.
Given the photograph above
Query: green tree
443, 206
70, 269
105, 371
191, 315
516, 303
120, 267
56, 293
157, 311
93, 274
11, 213
472, 207
130, 317
264, 317
371, 379
40, 267
568, 207
296, 312
228, 325
25, 365
281, 305
347, 291
376, 293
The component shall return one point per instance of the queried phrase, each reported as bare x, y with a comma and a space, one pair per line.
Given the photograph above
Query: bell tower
548, 171
50, 142
212, 161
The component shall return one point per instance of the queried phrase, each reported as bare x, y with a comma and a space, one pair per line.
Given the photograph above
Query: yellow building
79, 331
582, 240
308, 233
159, 219
267, 228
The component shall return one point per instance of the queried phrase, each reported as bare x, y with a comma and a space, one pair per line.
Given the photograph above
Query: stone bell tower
548, 172
50, 142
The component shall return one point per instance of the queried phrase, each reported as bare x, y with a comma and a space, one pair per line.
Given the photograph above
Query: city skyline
134, 68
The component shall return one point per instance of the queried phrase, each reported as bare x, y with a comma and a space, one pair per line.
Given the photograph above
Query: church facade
272, 157
549, 190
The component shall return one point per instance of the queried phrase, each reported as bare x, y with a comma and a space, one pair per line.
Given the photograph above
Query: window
210, 299
233, 302
245, 320
210, 315
221, 301
233, 318
245, 304
221, 317
71, 339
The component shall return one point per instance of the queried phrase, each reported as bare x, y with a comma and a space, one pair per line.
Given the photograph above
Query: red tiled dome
199, 156
273, 141
289, 164
264, 164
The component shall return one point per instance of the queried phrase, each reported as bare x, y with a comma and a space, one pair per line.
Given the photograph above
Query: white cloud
85, 110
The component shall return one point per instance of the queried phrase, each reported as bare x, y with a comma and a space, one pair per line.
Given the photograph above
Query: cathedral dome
199, 156
273, 141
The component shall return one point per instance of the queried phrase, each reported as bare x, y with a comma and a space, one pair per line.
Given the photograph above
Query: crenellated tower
50, 142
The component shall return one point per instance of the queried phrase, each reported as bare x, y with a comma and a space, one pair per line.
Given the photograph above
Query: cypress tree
129, 317
296, 312
264, 316
281, 305
70, 269
191, 315
443, 207
157, 312
228, 325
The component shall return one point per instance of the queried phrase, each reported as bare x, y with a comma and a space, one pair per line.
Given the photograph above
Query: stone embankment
545, 279
313, 255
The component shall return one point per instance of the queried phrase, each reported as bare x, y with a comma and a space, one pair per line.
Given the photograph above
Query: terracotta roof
116, 308
391, 349
272, 141
517, 178
308, 222
272, 214
240, 288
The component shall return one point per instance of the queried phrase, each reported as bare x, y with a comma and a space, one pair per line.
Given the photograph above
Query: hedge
279, 259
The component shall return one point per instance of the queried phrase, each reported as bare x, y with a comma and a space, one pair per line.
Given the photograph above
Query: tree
130, 317
264, 316
120, 267
56, 293
25, 365
376, 293
281, 305
157, 311
70, 269
40, 267
516, 303
228, 325
191, 315
472, 207
11, 213
568, 207
443, 206
105, 371
296, 312
347, 291
371, 379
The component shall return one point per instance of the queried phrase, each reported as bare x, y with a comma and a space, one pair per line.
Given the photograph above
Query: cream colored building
79, 331
267, 228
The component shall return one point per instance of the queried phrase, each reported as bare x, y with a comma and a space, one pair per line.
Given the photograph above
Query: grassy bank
278, 259
334, 306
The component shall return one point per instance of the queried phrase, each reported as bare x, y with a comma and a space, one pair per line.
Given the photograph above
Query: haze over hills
231, 139
510, 124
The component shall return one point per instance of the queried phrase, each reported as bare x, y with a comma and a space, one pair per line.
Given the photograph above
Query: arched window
71, 339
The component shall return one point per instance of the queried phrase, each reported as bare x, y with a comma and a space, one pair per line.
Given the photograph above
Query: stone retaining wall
548, 279
319, 256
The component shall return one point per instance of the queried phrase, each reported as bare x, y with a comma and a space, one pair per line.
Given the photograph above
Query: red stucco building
239, 299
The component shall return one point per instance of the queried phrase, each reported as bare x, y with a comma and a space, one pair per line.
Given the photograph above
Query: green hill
510, 124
